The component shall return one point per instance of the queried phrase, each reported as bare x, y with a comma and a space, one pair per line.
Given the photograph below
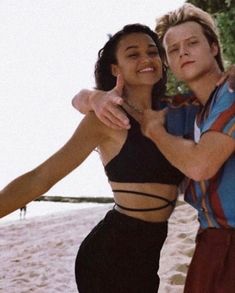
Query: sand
38, 254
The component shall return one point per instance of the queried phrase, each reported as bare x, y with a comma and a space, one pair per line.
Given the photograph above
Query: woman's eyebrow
136, 46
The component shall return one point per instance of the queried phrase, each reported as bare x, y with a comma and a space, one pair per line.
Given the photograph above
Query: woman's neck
138, 97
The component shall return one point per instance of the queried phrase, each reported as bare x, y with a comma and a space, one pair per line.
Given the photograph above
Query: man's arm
106, 105
198, 161
81, 101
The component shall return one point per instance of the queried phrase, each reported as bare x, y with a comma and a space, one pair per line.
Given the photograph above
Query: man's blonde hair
189, 12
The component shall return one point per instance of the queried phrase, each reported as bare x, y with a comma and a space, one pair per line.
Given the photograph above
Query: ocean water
42, 208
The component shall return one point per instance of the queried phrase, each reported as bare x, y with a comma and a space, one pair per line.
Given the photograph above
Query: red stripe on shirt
223, 118
215, 202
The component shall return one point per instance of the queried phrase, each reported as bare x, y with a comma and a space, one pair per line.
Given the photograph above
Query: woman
122, 252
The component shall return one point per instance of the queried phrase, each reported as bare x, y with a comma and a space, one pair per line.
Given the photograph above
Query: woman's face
138, 60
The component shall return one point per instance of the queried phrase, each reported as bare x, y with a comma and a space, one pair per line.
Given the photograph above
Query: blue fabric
214, 199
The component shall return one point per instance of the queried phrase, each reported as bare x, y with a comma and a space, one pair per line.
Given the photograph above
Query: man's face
189, 55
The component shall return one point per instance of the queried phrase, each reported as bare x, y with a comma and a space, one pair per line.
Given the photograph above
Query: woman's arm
31, 185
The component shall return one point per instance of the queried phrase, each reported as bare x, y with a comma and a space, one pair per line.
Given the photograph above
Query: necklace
132, 106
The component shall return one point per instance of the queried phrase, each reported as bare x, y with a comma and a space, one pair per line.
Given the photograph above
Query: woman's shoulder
109, 140
96, 126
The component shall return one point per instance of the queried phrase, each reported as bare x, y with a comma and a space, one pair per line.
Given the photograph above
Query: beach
38, 253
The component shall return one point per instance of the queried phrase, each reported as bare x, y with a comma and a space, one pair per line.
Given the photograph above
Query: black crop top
140, 161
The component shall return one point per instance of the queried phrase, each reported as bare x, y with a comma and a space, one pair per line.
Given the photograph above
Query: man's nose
183, 51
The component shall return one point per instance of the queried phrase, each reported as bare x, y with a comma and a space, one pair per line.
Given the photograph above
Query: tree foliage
226, 24
213, 6
224, 13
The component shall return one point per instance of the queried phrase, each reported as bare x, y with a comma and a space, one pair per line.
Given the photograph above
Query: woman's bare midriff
132, 200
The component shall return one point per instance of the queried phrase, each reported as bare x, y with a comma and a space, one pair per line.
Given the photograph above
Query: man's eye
173, 50
193, 42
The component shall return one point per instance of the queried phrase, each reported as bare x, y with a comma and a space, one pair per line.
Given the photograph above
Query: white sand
38, 254
178, 248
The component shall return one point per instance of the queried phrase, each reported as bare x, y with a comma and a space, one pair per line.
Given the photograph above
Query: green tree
226, 24
213, 6
224, 13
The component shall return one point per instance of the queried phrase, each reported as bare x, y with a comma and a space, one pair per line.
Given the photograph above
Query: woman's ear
114, 69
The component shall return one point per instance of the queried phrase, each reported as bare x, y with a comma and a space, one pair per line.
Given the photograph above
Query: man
193, 54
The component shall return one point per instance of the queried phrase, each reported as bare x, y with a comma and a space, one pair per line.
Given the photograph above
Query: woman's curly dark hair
107, 55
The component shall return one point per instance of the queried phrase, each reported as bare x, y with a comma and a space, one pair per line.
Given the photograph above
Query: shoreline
42, 209
74, 199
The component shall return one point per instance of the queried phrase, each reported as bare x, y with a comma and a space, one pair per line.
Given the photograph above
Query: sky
48, 51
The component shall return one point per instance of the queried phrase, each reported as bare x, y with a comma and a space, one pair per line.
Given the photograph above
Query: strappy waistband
168, 202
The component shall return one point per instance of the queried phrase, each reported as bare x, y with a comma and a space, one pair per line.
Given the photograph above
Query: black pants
120, 255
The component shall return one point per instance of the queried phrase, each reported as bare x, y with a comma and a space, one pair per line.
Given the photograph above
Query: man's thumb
119, 84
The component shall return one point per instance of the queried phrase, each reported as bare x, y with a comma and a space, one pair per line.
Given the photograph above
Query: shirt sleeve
181, 114
221, 117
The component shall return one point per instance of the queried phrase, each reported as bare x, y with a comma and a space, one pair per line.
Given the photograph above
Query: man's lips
186, 63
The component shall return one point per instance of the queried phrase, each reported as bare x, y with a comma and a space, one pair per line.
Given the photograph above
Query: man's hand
229, 75
107, 106
152, 120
